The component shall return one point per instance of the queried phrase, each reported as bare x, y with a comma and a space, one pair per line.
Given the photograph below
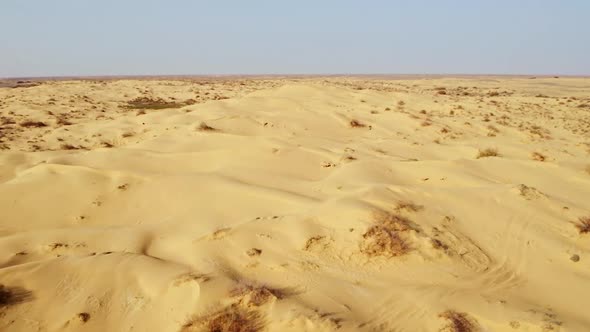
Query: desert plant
31, 123
583, 225
357, 124
10, 296
205, 127
489, 152
384, 237
234, 318
459, 322
538, 156
146, 103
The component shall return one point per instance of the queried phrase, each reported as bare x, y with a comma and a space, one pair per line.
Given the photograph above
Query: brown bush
10, 296
152, 104
488, 153
538, 156
584, 225
357, 124
35, 124
459, 322
234, 318
384, 238
204, 127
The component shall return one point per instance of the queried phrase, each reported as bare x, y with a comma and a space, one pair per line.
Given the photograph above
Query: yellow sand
312, 204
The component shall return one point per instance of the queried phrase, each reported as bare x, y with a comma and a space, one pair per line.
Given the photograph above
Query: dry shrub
384, 238
459, 322
205, 127
152, 104
584, 225
69, 147
408, 206
253, 294
10, 296
538, 156
63, 122
489, 152
234, 318
84, 317
357, 124
35, 124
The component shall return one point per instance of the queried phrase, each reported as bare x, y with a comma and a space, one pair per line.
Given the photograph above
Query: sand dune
311, 204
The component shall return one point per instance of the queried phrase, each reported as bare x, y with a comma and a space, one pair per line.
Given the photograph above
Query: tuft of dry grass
253, 294
489, 152
538, 156
384, 238
584, 225
33, 124
66, 146
357, 124
234, 318
205, 127
587, 169
84, 317
63, 122
10, 296
459, 322
408, 206
146, 103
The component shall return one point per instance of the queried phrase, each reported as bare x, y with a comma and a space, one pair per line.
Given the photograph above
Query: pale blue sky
150, 37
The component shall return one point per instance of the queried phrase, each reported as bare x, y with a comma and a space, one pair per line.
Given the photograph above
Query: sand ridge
295, 204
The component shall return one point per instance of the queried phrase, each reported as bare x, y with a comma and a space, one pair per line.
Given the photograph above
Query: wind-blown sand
313, 204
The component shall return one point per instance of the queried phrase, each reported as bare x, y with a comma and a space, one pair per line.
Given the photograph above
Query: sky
223, 37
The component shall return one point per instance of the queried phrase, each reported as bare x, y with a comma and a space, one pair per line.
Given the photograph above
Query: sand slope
296, 205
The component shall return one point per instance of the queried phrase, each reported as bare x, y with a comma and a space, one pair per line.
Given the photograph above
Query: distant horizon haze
306, 38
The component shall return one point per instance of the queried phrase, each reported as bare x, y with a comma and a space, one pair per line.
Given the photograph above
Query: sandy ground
313, 204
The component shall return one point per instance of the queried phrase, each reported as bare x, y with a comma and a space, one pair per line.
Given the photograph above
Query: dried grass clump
489, 152
33, 124
385, 238
234, 318
205, 127
10, 296
357, 124
584, 225
408, 206
459, 322
538, 156
147, 103
587, 169
252, 294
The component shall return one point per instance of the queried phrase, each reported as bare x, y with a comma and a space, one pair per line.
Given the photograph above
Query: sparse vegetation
234, 318
384, 238
84, 317
583, 225
10, 296
205, 127
489, 152
357, 124
66, 146
256, 295
146, 103
33, 124
538, 156
459, 322
408, 206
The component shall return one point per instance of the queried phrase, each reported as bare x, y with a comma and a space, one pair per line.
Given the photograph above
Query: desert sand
295, 204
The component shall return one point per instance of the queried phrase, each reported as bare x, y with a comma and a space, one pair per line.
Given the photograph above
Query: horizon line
391, 75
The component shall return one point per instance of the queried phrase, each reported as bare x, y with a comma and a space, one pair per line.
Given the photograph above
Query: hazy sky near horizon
149, 37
